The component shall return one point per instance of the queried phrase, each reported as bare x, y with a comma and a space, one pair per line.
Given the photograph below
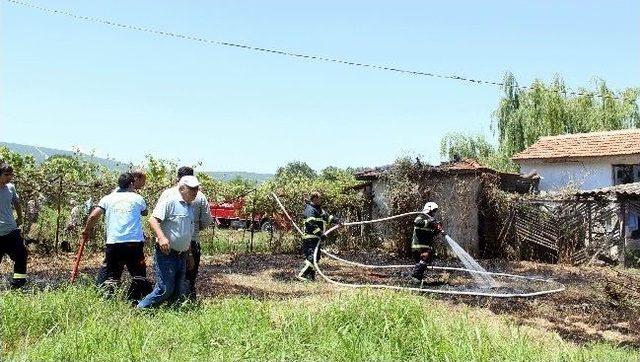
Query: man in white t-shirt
124, 246
139, 180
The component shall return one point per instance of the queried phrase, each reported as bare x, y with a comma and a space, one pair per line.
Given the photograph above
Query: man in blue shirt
124, 246
11, 242
172, 222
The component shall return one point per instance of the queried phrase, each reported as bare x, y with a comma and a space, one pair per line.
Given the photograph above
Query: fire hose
558, 286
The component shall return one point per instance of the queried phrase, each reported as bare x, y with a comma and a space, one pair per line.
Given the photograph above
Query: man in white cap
425, 230
172, 222
201, 220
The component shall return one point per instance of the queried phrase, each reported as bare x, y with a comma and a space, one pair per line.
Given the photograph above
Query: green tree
296, 169
474, 146
526, 114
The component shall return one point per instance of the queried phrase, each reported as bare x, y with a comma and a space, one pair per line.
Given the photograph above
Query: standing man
172, 222
315, 224
33, 212
139, 180
77, 217
201, 220
124, 246
425, 230
11, 242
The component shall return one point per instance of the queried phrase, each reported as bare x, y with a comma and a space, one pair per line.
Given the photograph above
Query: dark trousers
192, 269
13, 245
423, 258
308, 248
119, 255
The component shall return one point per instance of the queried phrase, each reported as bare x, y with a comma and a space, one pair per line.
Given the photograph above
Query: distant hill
42, 153
230, 175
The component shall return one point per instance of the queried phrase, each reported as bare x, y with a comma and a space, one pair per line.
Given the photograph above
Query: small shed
626, 197
458, 188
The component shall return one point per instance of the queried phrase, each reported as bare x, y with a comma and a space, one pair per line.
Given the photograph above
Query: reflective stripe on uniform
307, 265
309, 236
19, 276
425, 229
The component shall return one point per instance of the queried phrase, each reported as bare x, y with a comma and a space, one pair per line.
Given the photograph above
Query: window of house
624, 174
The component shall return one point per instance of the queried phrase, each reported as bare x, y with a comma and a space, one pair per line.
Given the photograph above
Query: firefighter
11, 242
425, 229
315, 223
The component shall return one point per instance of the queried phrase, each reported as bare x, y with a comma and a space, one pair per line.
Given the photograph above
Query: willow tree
477, 147
525, 114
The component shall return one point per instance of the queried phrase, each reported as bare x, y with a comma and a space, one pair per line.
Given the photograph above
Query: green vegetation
229, 241
74, 323
525, 115
66, 180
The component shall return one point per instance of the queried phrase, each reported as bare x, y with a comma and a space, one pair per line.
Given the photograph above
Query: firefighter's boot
18, 282
307, 273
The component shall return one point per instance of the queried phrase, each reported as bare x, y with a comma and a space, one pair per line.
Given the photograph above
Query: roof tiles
594, 144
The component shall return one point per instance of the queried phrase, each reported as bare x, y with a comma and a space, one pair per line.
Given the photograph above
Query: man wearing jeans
172, 222
201, 220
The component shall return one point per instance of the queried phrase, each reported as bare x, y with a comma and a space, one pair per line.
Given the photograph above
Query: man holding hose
315, 225
425, 230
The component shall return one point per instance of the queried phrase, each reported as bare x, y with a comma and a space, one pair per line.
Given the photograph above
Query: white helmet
429, 207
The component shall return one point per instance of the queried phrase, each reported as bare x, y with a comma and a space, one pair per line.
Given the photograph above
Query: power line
291, 54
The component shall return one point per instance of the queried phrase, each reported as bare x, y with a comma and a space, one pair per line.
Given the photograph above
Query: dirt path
599, 304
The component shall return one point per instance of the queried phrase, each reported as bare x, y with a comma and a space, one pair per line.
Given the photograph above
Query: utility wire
292, 54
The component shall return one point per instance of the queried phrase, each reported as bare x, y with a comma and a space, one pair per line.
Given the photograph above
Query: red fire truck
231, 214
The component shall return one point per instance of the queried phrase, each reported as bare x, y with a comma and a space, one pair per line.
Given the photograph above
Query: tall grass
74, 323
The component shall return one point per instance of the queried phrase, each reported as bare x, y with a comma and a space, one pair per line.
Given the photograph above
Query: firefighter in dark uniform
425, 229
315, 224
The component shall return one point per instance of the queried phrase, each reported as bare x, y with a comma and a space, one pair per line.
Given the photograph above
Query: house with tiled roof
585, 161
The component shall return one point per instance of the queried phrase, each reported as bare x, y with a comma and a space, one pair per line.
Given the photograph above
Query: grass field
75, 323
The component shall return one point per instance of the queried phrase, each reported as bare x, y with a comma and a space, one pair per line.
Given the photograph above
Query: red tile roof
594, 144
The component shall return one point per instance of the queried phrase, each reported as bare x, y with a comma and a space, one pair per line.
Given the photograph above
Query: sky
125, 94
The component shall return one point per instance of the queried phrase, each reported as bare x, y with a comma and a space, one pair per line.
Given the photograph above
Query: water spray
487, 277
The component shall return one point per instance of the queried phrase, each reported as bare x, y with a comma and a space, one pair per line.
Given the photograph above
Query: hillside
42, 153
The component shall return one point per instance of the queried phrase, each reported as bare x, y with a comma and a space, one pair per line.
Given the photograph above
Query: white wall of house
585, 174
